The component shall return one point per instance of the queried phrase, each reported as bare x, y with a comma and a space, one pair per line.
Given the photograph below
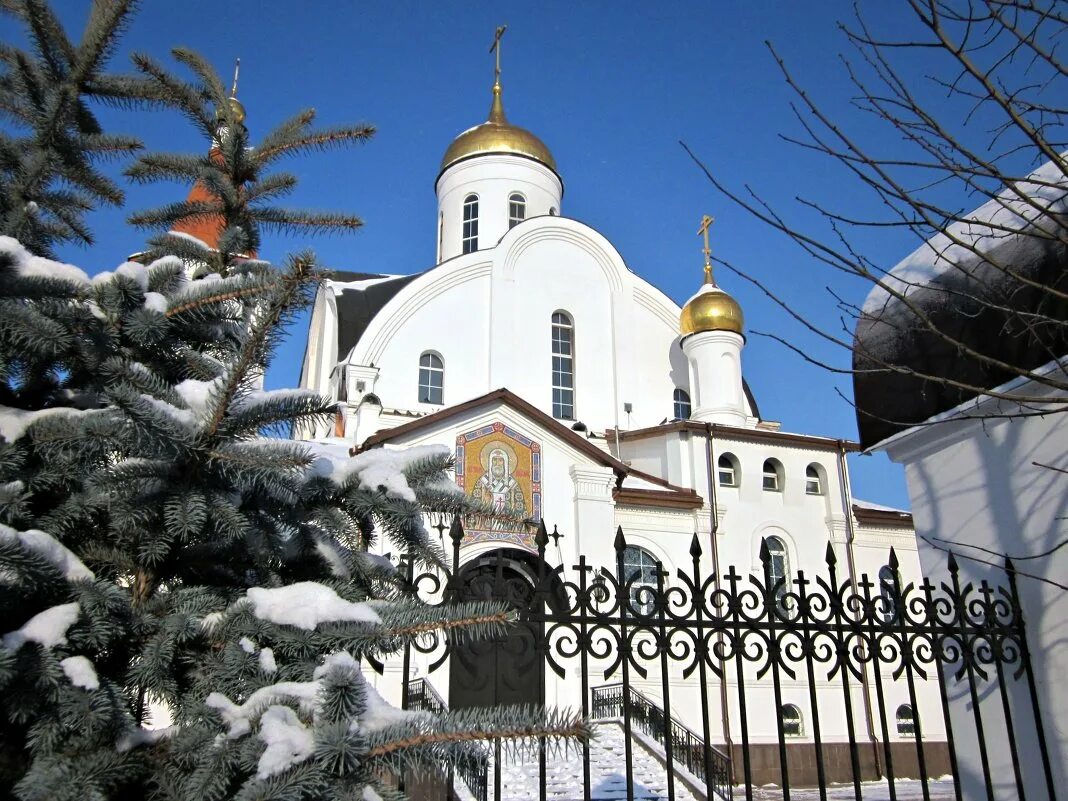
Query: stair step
520, 779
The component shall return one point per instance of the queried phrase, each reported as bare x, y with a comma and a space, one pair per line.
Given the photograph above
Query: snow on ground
905, 790
520, 777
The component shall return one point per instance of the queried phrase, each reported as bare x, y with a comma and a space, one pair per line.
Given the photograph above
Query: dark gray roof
961, 305
356, 307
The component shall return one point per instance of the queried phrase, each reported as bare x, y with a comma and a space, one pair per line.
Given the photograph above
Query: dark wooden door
505, 670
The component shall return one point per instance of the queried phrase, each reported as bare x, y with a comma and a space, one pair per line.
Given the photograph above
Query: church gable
508, 453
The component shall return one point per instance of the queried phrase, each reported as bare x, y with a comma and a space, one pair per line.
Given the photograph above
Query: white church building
625, 410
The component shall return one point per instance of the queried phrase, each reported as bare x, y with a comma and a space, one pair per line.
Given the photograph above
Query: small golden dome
497, 135
237, 109
711, 309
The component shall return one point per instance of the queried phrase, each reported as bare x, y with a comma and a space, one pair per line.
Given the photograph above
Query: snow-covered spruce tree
183, 558
240, 197
48, 155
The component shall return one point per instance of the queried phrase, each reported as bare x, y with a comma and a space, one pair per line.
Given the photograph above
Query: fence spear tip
456, 530
952, 563
695, 546
765, 554
892, 562
620, 543
541, 539
831, 559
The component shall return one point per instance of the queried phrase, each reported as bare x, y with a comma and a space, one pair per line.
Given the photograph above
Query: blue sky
611, 88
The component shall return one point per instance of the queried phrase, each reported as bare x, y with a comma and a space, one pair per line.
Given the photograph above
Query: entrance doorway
509, 669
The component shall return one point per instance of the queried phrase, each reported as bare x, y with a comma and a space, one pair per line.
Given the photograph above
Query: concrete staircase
608, 772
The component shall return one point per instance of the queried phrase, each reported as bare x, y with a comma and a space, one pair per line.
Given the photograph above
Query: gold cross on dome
706, 223
496, 49
237, 72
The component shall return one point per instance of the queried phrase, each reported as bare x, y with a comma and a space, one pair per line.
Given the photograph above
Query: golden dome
237, 109
497, 135
711, 309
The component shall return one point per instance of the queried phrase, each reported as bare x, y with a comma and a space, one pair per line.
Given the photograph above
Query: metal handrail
686, 746
419, 694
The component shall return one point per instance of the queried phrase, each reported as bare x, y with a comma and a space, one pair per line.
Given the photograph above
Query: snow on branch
381, 468
29, 266
47, 628
306, 604
48, 547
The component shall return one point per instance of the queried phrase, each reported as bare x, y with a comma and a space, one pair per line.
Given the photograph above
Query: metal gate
686, 666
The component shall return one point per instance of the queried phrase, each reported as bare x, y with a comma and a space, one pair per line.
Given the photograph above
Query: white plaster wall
806, 523
447, 314
975, 484
493, 178
489, 315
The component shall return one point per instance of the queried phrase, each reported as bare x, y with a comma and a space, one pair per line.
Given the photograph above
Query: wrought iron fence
419, 694
842, 641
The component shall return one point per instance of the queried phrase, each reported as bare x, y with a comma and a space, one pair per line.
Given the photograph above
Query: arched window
563, 367
727, 468
682, 404
517, 209
906, 721
813, 482
778, 569
431, 379
792, 725
470, 238
772, 475
889, 589
639, 570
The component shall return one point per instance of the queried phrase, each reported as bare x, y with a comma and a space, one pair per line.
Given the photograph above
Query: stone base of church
837, 763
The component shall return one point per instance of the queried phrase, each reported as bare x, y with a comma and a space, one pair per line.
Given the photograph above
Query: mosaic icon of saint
497, 487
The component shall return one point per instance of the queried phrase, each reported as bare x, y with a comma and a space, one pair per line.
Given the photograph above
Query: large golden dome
497, 135
711, 309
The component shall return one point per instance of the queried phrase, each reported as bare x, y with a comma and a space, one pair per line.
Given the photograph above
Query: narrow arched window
778, 570
906, 721
813, 482
470, 238
563, 367
681, 404
639, 572
517, 209
431, 379
727, 469
772, 475
792, 725
889, 590
441, 233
